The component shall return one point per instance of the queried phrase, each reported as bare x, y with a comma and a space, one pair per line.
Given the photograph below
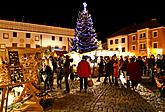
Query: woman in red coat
83, 71
134, 71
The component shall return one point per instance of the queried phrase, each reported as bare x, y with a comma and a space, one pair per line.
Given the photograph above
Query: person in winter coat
134, 71
49, 72
83, 71
67, 72
109, 70
101, 67
116, 71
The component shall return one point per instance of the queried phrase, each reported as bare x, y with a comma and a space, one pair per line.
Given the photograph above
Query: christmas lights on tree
85, 35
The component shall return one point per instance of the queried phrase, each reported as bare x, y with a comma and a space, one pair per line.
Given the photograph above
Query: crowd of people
111, 67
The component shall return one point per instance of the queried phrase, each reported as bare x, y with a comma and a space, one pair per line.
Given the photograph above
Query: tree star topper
85, 5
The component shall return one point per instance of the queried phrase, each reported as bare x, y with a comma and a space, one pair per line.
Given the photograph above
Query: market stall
18, 81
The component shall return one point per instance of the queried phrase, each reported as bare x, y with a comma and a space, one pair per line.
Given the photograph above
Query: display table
28, 97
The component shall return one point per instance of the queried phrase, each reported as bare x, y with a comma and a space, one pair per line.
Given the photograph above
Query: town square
54, 68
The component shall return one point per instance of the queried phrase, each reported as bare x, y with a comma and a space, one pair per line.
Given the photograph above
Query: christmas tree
85, 36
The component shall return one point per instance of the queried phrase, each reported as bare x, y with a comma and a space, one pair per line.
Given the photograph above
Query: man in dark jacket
101, 67
66, 73
109, 70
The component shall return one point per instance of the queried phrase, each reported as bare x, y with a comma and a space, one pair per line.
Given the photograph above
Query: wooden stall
18, 69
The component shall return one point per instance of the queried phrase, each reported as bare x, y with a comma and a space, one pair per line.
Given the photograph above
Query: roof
153, 23
22, 26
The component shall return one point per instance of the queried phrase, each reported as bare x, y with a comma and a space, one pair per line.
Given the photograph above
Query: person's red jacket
83, 69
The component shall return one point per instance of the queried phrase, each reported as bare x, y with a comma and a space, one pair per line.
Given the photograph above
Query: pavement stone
107, 98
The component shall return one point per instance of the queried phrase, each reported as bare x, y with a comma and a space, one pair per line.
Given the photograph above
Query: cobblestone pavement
108, 98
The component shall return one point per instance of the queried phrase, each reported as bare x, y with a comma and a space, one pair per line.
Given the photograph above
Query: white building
28, 35
118, 43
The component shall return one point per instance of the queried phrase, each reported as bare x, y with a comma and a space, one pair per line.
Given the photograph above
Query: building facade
118, 43
141, 40
27, 35
147, 41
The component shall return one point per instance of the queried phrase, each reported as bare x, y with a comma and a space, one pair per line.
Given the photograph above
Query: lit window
5, 35
36, 38
2, 45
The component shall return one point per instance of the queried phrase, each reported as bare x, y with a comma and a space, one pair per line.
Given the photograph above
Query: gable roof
153, 23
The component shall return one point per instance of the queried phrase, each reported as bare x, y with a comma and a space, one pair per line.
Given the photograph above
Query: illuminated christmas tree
85, 35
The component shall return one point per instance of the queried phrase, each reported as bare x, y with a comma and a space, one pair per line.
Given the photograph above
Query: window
155, 34
27, 45
37, 46
27, 35
41, 37
133, 38
123, 40
117, 49
123, 49
142, 46
111, 49
14, 34
133, 47
141, 36
60, 38
2, 45
155, 45
64, 48
116, 41
36, 38
53, 37
5, 35
14, 44
111, 42
144, 35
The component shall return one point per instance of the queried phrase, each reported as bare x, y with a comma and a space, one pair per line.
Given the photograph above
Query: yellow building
141, 39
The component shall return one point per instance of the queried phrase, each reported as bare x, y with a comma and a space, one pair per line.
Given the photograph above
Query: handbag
90, 82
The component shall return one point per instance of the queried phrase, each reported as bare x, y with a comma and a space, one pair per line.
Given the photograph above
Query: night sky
108, 16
